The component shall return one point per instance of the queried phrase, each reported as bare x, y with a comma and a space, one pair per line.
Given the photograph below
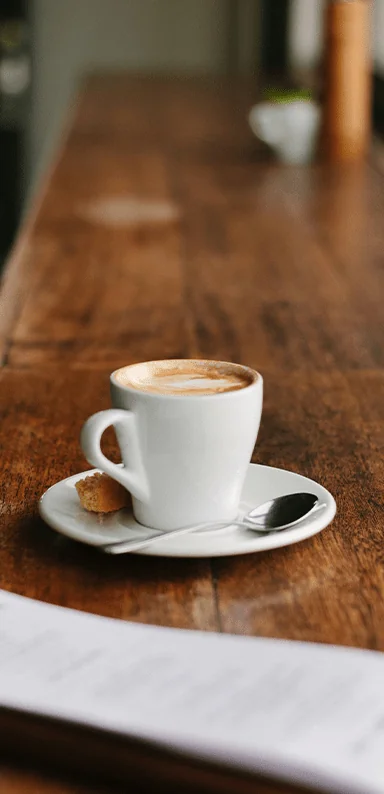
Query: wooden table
279, 268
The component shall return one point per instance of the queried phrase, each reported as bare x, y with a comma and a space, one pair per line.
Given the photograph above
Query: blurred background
46, 46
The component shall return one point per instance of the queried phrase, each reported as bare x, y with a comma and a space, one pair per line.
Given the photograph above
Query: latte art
195, 382
185, 377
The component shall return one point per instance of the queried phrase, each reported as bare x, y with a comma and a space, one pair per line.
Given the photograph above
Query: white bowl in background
291, 129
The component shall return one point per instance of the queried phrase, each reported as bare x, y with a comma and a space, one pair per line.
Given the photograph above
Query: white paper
302, 712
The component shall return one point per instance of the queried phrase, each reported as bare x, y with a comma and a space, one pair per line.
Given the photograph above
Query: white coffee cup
185, 452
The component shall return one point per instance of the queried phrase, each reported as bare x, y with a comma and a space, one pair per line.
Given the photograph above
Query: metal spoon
273, 516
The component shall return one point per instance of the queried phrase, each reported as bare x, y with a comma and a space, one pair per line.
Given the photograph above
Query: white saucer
60, 508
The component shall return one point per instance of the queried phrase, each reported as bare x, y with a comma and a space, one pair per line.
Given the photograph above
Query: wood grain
42, 412
327, 589
162, 231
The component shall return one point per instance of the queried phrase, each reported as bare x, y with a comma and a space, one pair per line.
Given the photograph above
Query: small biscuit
98, 493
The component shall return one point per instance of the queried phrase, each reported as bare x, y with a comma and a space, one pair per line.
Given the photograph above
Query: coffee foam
185, 377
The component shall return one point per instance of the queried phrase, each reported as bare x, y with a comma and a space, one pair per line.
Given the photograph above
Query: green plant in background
284, 95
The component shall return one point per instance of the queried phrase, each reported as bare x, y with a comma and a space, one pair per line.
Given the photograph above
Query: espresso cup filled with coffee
186, 430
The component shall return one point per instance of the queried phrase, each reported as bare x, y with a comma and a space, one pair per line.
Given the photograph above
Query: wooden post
347, 118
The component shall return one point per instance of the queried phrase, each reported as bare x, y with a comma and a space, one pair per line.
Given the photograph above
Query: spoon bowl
283, 512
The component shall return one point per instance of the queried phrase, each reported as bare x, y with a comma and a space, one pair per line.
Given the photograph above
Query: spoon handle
127, 546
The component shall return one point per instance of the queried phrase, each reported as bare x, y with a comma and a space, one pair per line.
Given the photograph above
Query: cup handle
133, 477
